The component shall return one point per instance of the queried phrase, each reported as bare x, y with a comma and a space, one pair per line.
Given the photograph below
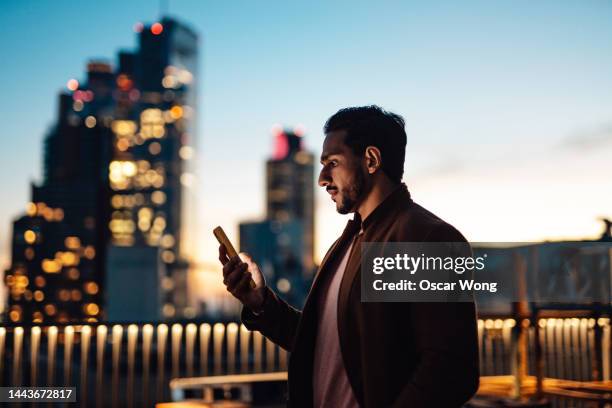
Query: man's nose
323, 178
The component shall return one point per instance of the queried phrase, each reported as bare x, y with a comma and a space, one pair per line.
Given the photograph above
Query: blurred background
132, 129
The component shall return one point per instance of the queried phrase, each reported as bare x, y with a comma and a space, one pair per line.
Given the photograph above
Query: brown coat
396, 354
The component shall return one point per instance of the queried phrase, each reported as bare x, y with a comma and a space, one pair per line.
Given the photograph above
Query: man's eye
333, 163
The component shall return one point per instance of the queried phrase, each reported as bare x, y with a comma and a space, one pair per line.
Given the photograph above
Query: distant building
283, 244
117, 181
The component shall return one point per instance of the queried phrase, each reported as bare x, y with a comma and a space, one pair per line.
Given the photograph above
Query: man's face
343, 174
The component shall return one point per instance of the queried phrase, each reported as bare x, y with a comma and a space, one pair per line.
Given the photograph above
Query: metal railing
132, 364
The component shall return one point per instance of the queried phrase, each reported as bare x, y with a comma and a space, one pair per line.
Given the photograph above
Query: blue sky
508, 104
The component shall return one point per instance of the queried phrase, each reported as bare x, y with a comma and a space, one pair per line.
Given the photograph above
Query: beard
348, 198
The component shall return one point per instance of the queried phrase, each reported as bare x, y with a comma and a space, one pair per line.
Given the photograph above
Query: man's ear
373, 159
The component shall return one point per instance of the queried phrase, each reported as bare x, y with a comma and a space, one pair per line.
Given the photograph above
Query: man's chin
342, 209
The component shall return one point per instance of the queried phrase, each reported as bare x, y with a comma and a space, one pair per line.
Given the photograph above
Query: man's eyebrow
326, 156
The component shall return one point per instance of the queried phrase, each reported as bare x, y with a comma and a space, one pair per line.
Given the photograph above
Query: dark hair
373, 126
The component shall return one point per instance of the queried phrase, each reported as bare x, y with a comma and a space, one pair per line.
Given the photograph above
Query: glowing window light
168, 256
155, 148
185, 76
29, 236
73, 273
187, 179
91, 288
92, 309
39, 296
123, 127
158, 197
157, 28
78, 106
40, 281
90, 122
76, 295
31, 209
29, 254
176, 112
69, 258
72, 84
169, 82
50, 309
64, 295
122, 144
152, 123
186, 152
89, 252
72, 242
58, 214
167, 241
51, 266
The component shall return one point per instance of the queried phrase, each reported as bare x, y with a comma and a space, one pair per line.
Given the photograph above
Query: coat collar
400, 193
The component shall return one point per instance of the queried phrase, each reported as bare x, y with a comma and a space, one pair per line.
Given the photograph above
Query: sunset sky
508, 105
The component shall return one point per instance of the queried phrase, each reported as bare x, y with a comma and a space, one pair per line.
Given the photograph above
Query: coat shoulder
415, 223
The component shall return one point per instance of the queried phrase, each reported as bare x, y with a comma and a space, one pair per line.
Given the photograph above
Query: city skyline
508, 127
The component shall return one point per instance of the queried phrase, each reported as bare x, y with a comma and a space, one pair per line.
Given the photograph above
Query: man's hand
237, 279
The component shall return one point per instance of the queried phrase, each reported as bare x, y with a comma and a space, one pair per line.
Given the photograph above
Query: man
348, 353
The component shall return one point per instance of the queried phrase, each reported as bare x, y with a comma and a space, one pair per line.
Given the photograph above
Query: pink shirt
331, 386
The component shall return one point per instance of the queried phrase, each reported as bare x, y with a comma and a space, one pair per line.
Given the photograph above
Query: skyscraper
110, 211
283, 244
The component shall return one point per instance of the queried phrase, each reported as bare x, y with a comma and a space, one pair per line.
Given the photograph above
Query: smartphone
231, 251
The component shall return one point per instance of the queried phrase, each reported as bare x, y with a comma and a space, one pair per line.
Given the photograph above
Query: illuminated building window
40, 281
31, 209
37, 317
77, 106
29, 236
167, 241
91, 288
283, 285
73, 273
39, 296
72, 84
121, 173
29, 253
152, 124
168, 256
91, 309
158, 197
167, 284
51, 266
124, 127
176, 112
15, 313
58, 214
155, 148
63, 295
170, 82
186, 152
90, 121
27, 294
50, 309
122, 144
89, 252
72, 242
76, 295
168, 310
67, 258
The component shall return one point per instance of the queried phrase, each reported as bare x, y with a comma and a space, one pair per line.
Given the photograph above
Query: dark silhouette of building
283, 244
108, 217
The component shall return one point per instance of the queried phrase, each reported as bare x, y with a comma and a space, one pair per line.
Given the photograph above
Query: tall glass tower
104, 235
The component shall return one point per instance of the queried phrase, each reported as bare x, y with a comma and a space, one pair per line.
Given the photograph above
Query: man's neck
380, 190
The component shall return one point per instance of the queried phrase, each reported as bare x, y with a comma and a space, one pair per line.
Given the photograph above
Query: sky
508, 105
